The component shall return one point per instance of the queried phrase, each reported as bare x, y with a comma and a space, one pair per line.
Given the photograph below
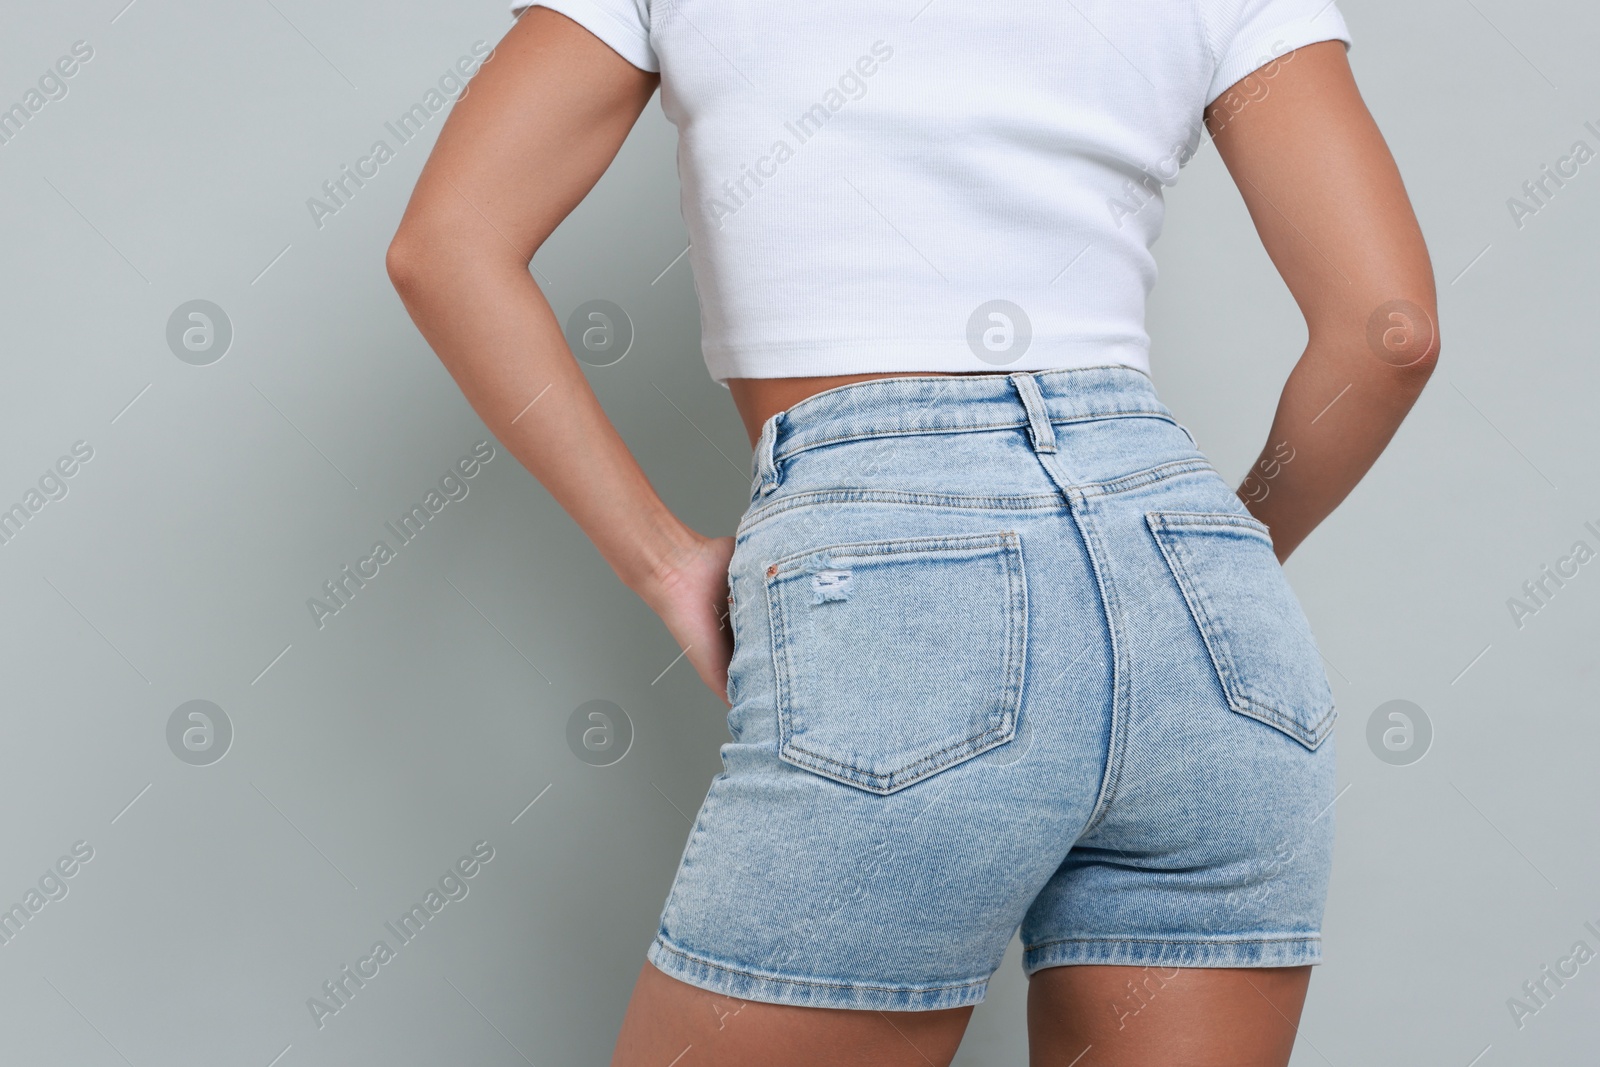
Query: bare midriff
758, 399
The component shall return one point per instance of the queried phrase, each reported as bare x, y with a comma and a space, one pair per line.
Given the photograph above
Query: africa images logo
338, 191
453, 886
1539, 591
341, 589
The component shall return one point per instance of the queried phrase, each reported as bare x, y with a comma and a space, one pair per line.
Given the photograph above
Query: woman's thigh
1134, 1016
673, 1024
1086, 1016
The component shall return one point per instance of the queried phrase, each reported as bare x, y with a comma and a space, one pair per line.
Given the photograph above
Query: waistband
929, 404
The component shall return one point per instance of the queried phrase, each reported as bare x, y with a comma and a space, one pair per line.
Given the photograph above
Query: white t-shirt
937, 185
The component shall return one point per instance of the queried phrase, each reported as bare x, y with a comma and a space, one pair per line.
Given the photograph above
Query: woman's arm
1333, 214
539, 125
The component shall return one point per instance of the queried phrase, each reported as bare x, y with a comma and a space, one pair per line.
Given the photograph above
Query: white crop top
937, 185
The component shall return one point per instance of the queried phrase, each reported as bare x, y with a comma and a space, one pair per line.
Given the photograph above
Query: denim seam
1287, 939
1012, 671
1141, 479
1204, 614
696, 831
703, 962
1028, 502
779, 457
1309, 734
894, 546
898, 780
1182, 519
810, 498
1110, 605
1148, 383
1012, 666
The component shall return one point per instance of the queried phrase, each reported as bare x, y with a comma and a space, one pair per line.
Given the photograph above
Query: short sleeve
622, 24
1246, 35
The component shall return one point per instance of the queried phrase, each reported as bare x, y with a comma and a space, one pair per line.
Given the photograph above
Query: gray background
429, 714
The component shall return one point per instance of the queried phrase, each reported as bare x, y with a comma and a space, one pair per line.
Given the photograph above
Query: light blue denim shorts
1009, 654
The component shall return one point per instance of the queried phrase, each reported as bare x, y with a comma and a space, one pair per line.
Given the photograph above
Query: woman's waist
970, 434
759, 399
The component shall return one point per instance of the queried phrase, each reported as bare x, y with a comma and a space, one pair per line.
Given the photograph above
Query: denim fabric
1009, 653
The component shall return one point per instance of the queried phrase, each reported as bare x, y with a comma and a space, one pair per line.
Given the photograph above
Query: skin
541, 122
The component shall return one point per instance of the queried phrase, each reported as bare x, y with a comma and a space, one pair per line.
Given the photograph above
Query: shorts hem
1294, 950
742, 983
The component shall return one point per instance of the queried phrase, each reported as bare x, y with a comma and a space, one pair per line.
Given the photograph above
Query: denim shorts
1009, 654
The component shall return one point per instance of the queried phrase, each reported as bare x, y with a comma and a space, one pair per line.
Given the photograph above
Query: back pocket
1251, 622
897, 659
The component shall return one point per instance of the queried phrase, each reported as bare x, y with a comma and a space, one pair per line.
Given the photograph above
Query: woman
1006, 652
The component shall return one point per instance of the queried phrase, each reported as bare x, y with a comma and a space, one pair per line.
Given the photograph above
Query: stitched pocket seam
1007, 549
1162, 525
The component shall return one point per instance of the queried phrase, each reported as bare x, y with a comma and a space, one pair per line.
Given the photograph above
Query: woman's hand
692, 599
544, 118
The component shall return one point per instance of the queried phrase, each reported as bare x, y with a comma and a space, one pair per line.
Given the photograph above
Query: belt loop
1042, 434
766, 471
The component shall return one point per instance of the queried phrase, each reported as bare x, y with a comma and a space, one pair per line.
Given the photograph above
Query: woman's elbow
429, 251
1404, 335
432, 244
1397, 338
407, 261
